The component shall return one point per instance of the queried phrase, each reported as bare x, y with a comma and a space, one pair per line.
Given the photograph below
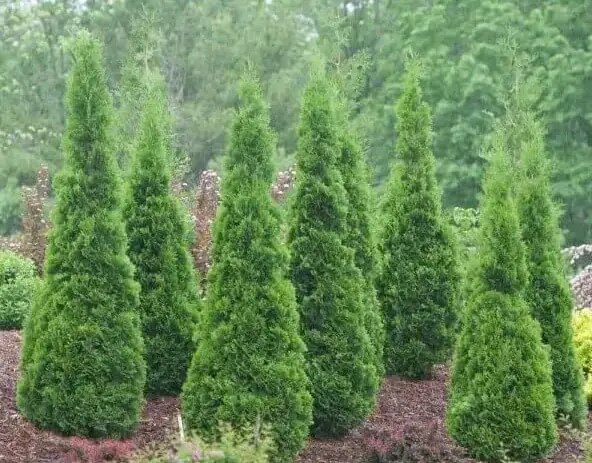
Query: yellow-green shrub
582, 324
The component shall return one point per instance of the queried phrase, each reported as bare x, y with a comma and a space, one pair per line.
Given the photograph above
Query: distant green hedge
18, 280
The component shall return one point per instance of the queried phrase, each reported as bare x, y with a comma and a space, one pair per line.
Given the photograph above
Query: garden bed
409, 413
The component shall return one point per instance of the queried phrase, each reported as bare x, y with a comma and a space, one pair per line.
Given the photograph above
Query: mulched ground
407, 426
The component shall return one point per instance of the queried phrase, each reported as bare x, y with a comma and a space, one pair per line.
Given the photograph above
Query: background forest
203, 48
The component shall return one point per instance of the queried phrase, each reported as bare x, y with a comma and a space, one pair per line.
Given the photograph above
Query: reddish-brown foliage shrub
35, 224
91, 451
203, 214
31, 242
411, 445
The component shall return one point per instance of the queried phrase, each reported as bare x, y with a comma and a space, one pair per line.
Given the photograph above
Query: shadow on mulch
407, 426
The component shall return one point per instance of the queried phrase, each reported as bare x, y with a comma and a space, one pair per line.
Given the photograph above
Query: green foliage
588, 451
501, 395
249, 364
329, 287
582, 327
156, 230
82, 368
202, 48
360, 234
418, 286
242, 446
465, 224
18, 282
548, 293
134, 87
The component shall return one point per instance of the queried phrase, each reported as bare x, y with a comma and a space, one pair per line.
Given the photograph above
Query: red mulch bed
409, 413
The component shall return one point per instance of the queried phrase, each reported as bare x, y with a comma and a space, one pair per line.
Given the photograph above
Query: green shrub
588, 451
249, 363
329, 287
548, 293
82, 367
582, 326
156, 229
18, 282
360, 234
501, 392
419, 283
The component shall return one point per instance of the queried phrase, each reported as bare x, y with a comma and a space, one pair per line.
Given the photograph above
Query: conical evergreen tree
329, 287
501, 394
360, 235
156, 231
83, 370
419, 283
249, 364
548, 293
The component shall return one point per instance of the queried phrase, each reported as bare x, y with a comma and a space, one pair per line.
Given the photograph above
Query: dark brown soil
408, 419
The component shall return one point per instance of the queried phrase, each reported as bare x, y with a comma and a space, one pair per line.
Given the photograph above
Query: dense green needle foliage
418, 286
548, 293
249, 365
18, 283
329, 287
360, 235
83, 369
501, 396
156, 231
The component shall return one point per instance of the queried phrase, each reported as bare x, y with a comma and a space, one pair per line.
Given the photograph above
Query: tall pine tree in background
360, 232
501, 393
418, 286
82, 369
156, 230
329, 287
249, 364
548, 293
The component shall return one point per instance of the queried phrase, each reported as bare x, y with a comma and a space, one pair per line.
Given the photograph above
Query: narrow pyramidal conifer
329, 287
156, 231
249, 366
83, 370
548, 293
419, 282
501, 393
360, 233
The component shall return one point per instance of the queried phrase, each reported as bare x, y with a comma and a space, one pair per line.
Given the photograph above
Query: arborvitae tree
156, 230
360, 235
249, 366
501, 394
548, 293
83, 369
418, 286
329, 287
